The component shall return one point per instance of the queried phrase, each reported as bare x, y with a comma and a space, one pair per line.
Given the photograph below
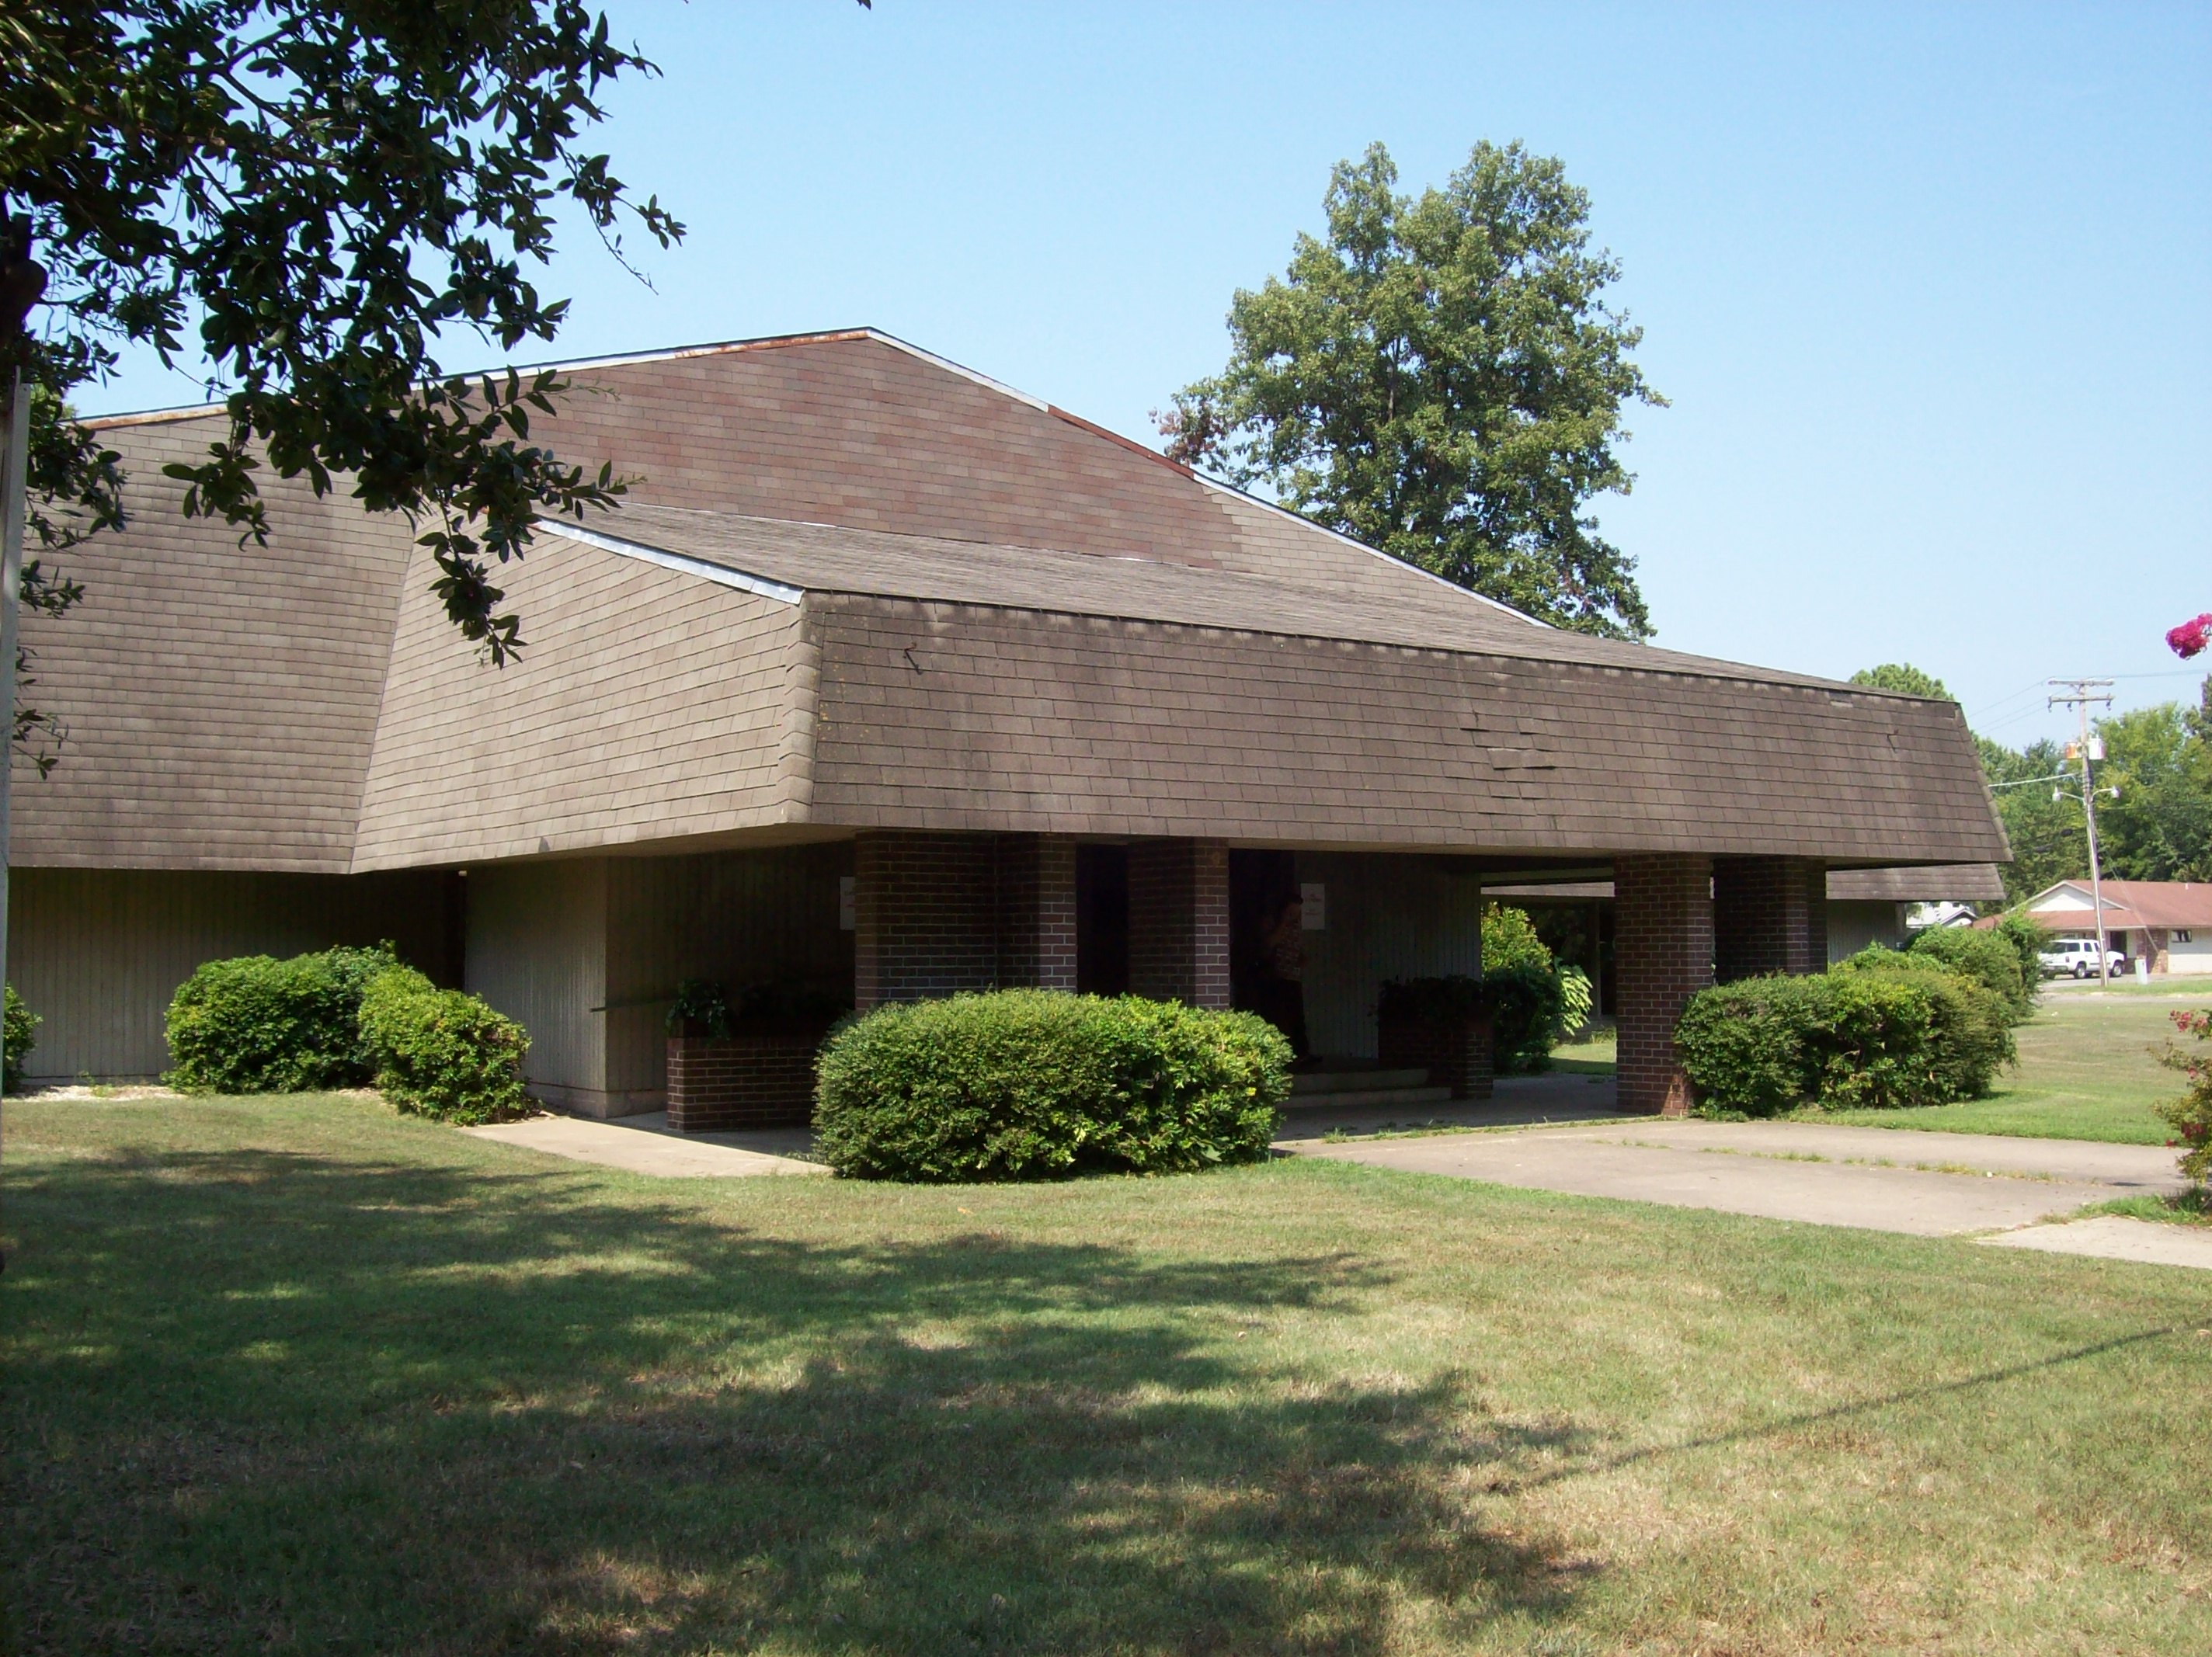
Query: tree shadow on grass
269, 1402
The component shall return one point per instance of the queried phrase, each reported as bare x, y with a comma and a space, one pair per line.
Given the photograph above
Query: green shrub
2027, 939
20, 1027
254, 1024
1035, 1084
2191, 1113
442, 1054
1525, 1003
1880, 1034
1528, 1015
701, 1007
1576, 996
1988, 959
1509, 939
1972, 1023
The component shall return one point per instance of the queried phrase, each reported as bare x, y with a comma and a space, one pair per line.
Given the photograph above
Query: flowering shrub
2191, 637
2191, 1113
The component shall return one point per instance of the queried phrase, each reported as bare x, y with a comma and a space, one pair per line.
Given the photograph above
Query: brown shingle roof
1010, 619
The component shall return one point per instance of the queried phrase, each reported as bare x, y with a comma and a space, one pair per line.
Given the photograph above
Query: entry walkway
1926, 1184
646, 1144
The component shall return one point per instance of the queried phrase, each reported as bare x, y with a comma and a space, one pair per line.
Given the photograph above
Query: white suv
2077, 957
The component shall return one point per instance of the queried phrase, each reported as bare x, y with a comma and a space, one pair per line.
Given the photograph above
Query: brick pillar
1663, 953
1770, 915
1179, 920
1816, 914
1036, 911
925, 913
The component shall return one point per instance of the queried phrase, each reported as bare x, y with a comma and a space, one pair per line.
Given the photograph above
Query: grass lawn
300, 1375
2086, 1071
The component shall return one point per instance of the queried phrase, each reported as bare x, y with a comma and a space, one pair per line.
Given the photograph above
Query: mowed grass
2088, 1070
299, 1375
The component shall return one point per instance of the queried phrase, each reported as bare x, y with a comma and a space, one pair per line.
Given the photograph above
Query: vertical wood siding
537, 951
1389, 917
737, 918
97, 953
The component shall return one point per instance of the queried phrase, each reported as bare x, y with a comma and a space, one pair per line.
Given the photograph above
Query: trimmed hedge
1882, 1033
1036, 1084
1989, 959
442, 1054
18, 1028
255, 1024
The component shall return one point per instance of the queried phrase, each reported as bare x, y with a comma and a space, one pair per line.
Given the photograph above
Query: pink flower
2191, 637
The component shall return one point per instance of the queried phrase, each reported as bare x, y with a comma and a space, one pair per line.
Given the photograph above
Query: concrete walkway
645, 1145
1518, 1102
2116, 1237
1926, 1184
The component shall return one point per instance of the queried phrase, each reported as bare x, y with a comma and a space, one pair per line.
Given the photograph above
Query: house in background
892, 681
1575, 916
2165, 923
1888, 906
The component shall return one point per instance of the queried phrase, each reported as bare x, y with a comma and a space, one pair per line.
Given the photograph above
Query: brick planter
1456, 1052
759, 1080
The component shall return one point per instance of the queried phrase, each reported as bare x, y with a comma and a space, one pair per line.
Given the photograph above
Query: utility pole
2078, 693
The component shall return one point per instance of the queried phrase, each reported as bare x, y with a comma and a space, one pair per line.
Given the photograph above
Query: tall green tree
315, 193
1442, 378
1902, 675
2160, 759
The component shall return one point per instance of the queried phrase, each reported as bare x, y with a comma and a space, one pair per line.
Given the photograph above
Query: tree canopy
317, 190
1441, 378
2160, 827
1903, 677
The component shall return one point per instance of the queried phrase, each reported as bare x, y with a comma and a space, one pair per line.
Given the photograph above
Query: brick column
1179, 920
925, 913
1663, 953
1036, 911
1816, 914
1770, 915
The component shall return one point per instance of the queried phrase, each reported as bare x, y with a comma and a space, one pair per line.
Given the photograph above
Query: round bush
1034, 1084
442, 1054
1989, 959
1884, 1033
254, 1024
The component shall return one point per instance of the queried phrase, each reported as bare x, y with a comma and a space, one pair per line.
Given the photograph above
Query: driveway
1926, 1184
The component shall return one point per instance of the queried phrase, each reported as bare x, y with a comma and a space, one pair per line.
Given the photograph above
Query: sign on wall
1313, 900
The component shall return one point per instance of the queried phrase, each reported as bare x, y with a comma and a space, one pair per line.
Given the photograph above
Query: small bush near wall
1034, 1084
1897, 1033
2191, 1113
254, 1024
442, 1054
20, 1026
1990, 960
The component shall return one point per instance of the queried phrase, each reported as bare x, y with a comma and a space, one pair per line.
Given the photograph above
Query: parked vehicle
2076, 958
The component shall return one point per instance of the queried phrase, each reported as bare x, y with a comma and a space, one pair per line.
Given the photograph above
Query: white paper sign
1313, 898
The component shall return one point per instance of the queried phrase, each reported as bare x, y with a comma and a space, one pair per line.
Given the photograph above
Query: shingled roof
857, 587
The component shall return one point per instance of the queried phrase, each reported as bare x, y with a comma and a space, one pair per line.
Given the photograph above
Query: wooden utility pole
2078, 693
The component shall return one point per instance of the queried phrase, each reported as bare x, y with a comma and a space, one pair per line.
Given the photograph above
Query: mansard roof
855, 585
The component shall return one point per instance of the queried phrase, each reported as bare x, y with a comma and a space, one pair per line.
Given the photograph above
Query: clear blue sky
1927, 286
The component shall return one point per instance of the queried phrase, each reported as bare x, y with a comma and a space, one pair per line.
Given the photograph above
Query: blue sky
1926, 286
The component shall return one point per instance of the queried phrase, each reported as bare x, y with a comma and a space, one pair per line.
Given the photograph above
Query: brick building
894, 678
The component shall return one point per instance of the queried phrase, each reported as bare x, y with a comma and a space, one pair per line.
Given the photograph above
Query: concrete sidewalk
1925, 1183
646, 1144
